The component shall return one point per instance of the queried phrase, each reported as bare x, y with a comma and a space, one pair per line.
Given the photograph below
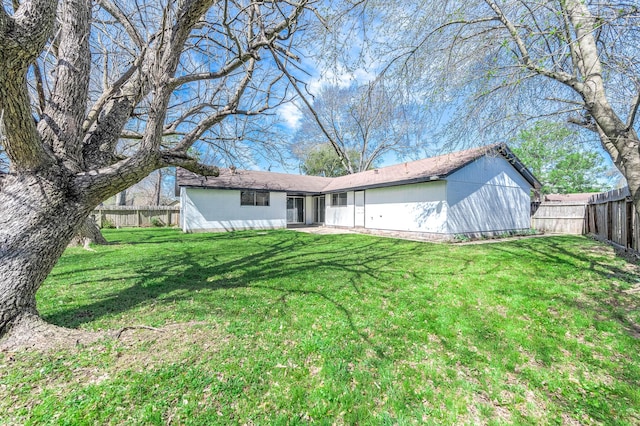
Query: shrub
157, 222
108, 224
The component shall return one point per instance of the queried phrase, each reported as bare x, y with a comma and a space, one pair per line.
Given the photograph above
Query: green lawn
282, 327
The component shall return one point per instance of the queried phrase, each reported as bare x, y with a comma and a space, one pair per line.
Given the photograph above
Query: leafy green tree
322, 160
561, 163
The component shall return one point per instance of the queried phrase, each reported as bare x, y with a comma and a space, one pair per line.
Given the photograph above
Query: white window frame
256, 201
338, 198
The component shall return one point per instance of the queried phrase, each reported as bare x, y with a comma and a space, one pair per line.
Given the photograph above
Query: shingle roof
577, 197
250, 179
434, 168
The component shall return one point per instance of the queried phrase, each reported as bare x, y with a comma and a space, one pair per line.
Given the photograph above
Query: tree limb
124, 20
634, 112
231, 108
172, 127
61, 124
179, 159
4, 21
525, 57
31, 25
111, 92
569, 37
37, 74
223, 72
339, 152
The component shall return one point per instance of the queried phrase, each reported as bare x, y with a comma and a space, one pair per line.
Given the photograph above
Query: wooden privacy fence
611, 216
559, 217
136, 216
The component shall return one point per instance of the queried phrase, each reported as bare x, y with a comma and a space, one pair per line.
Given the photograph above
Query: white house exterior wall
220, 210
308, 209
417, 207
340, 215
488, 195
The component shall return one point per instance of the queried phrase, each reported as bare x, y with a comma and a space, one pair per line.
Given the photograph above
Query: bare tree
157, 188
363, 123
495, 64
78, 77
152, 190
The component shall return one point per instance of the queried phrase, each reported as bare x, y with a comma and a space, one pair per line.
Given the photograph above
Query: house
477, 191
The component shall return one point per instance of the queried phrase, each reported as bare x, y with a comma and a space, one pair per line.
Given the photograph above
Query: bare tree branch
525, 57
111, 92
634, 112
124, 20
179, 159
31, 26
61, 124
231, 108
340, 152
224, 71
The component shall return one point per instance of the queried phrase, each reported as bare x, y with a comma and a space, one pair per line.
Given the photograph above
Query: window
339, 199
254, 198
262, 198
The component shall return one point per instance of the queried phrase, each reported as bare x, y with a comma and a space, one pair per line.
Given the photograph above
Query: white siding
340, 215
359, 209
488, 195
419, 207
220, 210
308, 209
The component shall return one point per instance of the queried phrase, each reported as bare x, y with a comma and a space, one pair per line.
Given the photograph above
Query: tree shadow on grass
618, 302
272, 266
262, 264
538, 335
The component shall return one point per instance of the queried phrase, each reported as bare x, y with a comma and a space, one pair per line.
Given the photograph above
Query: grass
281, 327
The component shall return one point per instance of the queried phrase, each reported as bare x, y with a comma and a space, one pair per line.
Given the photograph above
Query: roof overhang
412, 173
518, 165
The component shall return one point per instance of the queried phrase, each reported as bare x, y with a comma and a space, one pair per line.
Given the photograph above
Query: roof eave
227, 188
504, 150
386, 184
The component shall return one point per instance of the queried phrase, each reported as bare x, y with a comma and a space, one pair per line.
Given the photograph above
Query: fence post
629, 224
609, 221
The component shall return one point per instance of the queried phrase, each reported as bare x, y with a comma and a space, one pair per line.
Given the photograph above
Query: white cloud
341, 78
290, 114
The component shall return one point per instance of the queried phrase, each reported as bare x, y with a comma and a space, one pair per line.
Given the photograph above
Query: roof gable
428, 169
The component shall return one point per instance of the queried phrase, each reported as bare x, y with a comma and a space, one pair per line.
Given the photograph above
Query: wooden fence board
560, 217
611, 216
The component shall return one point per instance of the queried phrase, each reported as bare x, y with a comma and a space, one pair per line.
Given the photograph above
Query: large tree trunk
40, 216
63, 157
89, 233
157, 189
